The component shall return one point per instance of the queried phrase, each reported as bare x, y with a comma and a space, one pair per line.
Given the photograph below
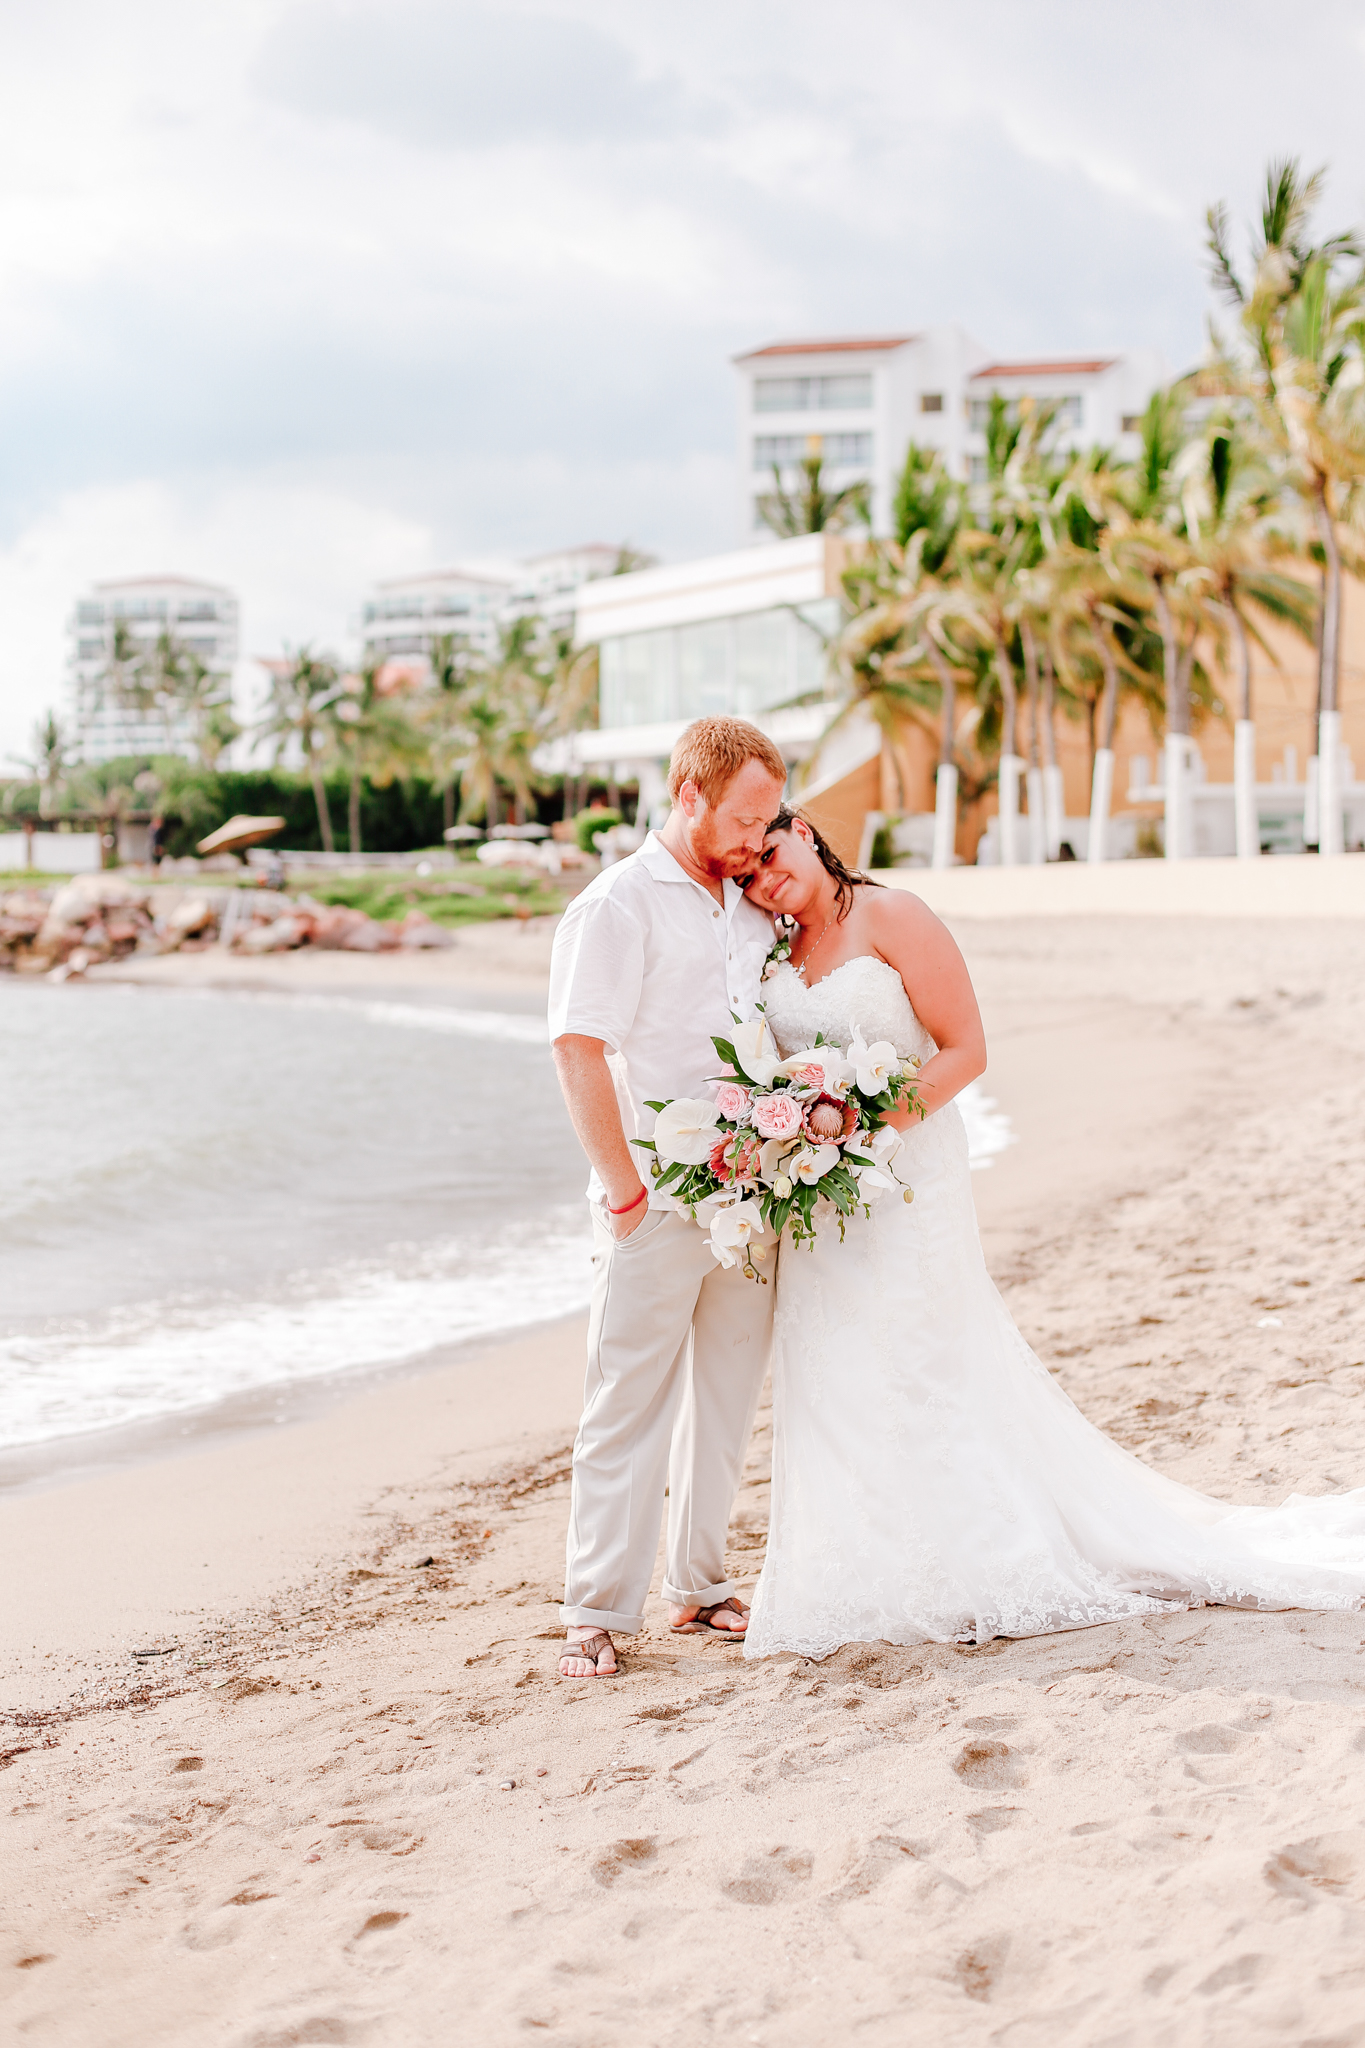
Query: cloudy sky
303, 292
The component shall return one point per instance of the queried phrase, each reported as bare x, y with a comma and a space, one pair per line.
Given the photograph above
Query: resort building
201, 619
858, 404
547, 584
406, 614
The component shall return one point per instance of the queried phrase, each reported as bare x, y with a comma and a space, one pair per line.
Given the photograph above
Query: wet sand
292, 1827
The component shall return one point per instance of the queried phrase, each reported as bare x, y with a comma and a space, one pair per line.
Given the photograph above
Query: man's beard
721, 866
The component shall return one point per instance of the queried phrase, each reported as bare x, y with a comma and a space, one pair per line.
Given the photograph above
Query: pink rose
732, 1100
777, 1116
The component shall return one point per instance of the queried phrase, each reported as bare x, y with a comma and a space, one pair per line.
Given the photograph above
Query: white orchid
873, 1065
812, 1162
732, 1228
686, 1131
755, 1052
771, 1156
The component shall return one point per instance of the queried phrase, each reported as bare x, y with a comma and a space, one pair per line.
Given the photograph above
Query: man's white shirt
647, 960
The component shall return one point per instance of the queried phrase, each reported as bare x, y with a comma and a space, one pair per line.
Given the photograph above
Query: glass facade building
745, 664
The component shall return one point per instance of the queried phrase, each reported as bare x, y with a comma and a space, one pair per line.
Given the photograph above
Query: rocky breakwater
62, 931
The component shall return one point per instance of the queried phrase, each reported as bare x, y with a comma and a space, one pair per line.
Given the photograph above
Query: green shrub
588, 824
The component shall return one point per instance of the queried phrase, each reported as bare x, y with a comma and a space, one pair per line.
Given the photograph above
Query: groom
649, 962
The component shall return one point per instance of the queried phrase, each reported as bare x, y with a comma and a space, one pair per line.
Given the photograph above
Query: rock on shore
62, 930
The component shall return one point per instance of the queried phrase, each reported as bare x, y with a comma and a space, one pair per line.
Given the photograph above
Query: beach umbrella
239, 832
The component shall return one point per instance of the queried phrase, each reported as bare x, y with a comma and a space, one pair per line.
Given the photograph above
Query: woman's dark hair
846, 880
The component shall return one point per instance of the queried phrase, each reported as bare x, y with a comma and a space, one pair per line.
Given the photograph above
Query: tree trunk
1109, 714
948, 700
1031, 678
519, 807
447, 807
1177, 700
1009, 700
1329, 641
353, 810
1243, 663
320, 799
492, 817
1049, 713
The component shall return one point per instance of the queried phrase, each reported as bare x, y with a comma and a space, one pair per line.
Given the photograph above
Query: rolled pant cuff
598, 1617
704, 1596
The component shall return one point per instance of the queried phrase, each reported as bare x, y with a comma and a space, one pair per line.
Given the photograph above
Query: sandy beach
253, 1667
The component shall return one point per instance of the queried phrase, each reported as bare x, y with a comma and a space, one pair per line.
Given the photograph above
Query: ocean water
204, 1195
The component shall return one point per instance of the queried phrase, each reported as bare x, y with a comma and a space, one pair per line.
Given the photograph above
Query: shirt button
715, 913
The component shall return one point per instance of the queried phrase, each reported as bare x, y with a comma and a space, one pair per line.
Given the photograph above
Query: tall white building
1099, 399
406, 614
859, 404
202, 618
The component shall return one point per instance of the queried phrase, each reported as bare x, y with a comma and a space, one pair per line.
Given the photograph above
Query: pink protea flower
829, 1121
732, 1101
777, 1116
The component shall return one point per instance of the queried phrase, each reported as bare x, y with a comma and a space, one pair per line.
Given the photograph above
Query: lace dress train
931, 1481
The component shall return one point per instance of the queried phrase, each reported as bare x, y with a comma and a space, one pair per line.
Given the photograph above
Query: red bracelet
630, 1205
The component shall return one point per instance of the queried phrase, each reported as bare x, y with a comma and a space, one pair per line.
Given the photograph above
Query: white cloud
304, 292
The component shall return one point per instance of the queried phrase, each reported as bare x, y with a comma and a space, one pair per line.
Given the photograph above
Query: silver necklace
811, 949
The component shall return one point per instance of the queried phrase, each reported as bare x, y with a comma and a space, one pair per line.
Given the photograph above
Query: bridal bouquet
781, 1136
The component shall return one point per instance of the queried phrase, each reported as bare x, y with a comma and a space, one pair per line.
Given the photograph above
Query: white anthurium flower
755, 1050
686, 1131
732, 1228
873, 1064
829, 1060
813, 1162
770, 1157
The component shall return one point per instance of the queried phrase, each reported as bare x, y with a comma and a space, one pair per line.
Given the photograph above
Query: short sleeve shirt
647, 960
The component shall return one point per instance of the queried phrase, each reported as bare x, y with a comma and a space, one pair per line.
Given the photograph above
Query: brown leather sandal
590, 1649
702, 1625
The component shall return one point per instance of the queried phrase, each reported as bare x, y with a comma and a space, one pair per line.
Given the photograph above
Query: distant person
156, 841
655, 956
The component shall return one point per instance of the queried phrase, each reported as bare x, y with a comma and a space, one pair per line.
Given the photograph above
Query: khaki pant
677, 1349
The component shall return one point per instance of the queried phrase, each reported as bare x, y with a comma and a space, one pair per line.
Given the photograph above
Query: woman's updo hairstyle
845, 880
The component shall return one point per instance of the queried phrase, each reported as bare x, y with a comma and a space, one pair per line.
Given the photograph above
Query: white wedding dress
931, 1481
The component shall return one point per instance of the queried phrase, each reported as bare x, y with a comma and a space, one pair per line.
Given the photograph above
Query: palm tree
46, 762
375, 737
1234, 515
1300, 363
809, 507
301, 711
452, 663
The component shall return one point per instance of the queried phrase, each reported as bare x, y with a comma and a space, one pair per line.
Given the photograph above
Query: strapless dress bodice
866, 994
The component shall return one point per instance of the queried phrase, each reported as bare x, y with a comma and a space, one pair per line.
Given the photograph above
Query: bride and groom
931, 1482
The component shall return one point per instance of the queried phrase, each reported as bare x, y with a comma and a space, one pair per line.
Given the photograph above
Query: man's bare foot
729, 1618
589, 1653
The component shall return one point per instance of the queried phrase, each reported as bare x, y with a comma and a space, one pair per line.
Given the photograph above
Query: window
197, 610
931, 401
1131, 423
90, 650
778, 448
745, 664
843, 451
813, 394
978, 471
1068, 411
89, 614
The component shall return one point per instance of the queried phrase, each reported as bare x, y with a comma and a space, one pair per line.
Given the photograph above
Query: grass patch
473, 896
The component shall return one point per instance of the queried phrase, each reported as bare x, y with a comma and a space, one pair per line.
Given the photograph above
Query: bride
931, 1481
